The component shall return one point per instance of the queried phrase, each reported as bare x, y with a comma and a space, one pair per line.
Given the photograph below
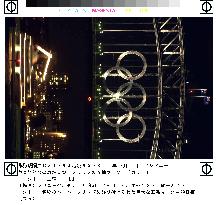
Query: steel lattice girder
173, 74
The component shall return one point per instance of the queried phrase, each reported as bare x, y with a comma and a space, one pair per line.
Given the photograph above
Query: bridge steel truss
138, 88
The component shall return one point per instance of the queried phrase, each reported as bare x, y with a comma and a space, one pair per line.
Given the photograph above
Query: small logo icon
11, 7
11, 169
206, 6
206, 168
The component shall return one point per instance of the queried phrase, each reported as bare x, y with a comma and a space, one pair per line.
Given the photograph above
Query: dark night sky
199, 62
71, 39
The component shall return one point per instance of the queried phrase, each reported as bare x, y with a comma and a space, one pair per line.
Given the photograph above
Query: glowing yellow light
37, 76
24, 71
20, 94
117, 95
20, 72
17, 70
55, 134
17, 47
49, 55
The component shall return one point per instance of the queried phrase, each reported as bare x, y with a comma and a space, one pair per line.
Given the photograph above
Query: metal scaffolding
138, 88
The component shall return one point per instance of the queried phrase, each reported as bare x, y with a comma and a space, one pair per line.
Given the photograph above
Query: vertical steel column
153, 154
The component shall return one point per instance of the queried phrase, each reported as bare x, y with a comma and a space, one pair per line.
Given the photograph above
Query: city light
89, 99
55, 134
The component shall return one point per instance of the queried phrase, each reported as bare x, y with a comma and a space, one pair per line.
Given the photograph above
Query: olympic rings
132, 53
129, 115
107, 73
139, 137
119, 96
143, 99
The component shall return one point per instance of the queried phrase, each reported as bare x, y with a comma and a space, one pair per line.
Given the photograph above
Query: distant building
58, 81
48, 140
56, 85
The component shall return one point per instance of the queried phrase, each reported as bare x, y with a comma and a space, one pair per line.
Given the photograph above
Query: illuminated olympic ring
143, 99
139, 137
138, 75
121, 94
129, 115
117, 68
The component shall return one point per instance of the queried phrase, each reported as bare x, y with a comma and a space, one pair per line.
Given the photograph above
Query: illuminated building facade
19, 86
23, 65
24, 68
58, 81
57, 85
